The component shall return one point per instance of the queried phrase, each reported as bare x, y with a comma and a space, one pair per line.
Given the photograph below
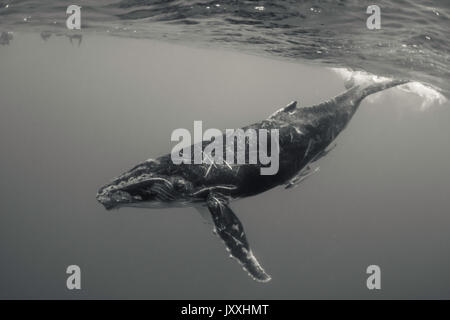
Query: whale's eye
182, 185
179, 184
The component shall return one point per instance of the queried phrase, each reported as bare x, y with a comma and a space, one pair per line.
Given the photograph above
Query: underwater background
78, 107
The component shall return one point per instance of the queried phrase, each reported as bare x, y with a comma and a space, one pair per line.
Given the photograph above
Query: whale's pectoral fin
308, 170
230, 230
301, 176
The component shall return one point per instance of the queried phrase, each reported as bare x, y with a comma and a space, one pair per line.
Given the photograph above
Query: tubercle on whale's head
144, 186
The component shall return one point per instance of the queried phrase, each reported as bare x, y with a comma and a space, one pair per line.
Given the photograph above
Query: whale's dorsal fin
289, 108
230, 230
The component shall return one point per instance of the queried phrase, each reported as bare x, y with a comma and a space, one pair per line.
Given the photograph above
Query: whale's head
147, 185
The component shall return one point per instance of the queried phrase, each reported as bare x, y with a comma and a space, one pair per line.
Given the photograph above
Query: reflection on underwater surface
412, 42
6, 38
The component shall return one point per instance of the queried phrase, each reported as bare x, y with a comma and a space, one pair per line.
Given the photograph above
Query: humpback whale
305, 133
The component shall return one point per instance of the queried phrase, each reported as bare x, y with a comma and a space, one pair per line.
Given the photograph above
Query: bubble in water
430, 96
315, 10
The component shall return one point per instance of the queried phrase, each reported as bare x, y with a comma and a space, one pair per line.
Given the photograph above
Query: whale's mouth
144, 190
114, 199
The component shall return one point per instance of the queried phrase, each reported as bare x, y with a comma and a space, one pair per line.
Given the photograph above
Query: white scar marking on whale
213, 188
228, 165
308, 148
298, 130
211, 163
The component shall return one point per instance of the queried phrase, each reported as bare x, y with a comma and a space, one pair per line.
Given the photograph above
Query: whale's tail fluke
372, 88
349, 101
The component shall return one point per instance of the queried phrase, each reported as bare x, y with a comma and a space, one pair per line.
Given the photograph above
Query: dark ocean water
412, 42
